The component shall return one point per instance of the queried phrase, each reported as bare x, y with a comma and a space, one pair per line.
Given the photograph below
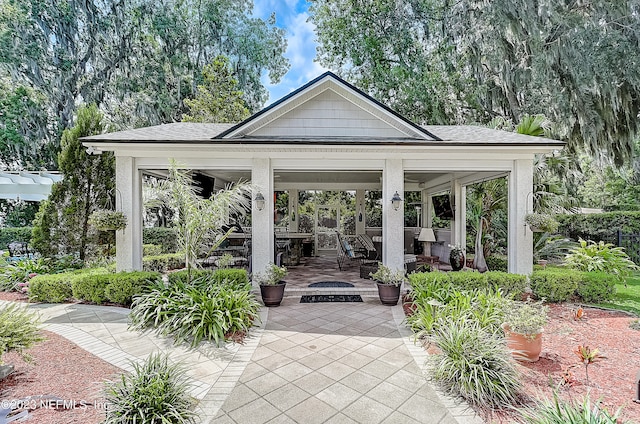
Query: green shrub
54, 288
236, 277
497, 263
162, 236
163, 263
152, 250
9, 234
597, 287
605, 257
467, 280
20, 271
155, 392
557, 411
514, 284
510, 283
90, 287
437, 302
194, 313
474, 364
555, 284
123, 286
18, 329
181, 276
599, 226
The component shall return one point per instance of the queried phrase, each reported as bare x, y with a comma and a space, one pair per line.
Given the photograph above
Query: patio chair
18, 250
345, 252
368, 248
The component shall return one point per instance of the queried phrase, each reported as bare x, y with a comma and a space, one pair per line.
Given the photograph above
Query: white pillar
459, 230
294, 219
360, 212
520, 237
262, 221
393, 220
129, 201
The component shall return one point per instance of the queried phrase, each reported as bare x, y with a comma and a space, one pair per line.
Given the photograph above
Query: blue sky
292, 15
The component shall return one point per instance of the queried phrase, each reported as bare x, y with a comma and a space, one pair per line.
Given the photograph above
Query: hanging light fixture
396, 200
260, 201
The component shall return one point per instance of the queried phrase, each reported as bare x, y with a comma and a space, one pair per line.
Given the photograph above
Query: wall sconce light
260, 202
293, 216
396, 200
360, 213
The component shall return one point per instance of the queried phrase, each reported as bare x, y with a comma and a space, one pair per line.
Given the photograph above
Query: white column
520, 237
129, 201
393, 220
294, 219
262, 221
360, 209
459, 230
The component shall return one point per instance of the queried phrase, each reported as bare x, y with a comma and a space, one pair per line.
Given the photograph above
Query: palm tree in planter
271, 284
389, 283
523, 322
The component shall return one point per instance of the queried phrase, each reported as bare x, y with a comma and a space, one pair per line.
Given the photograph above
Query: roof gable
327, 106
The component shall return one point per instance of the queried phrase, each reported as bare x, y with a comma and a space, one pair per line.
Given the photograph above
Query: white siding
328, 115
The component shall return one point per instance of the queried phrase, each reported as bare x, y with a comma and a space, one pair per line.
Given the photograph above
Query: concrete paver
307, 363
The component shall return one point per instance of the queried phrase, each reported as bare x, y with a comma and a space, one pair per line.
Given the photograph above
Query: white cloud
301, 45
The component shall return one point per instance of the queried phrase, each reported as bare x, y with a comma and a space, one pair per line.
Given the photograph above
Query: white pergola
29, 186
328, 135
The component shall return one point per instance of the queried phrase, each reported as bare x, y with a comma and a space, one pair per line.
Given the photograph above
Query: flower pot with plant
456, 257
541, 223
389, 283
271, 284
523, 328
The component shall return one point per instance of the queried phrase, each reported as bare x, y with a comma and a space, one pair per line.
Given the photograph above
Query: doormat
331, 284
317, 298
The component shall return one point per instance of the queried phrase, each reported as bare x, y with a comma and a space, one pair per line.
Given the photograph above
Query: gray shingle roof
190, 132
175, 132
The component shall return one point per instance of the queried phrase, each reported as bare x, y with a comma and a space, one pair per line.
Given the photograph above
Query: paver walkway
310, 363
337, 363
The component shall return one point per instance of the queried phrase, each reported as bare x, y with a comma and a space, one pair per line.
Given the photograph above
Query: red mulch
64, 370
612, 379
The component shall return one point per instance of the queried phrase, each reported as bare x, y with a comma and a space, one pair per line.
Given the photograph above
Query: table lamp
427, 237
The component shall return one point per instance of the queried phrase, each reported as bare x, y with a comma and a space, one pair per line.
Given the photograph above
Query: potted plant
523, 328
271, 284
108, 220
541, 222
456, 257
389, 283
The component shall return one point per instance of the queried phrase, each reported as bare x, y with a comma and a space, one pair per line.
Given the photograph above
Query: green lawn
626, 298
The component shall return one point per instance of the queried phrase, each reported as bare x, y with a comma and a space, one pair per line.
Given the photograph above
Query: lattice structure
631, 244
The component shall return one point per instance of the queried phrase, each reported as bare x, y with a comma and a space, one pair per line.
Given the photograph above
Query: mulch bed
612, 379
59, 370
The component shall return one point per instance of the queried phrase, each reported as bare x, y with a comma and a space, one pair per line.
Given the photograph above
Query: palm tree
200, 221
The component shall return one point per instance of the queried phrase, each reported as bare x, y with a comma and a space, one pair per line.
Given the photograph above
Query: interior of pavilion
332, 221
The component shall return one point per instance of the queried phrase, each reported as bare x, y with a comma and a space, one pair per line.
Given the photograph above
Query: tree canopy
472, 60
217, 99
137, 59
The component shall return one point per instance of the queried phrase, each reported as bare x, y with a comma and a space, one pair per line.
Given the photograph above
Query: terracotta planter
389, 294
272, 294
524, 347
456, 260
